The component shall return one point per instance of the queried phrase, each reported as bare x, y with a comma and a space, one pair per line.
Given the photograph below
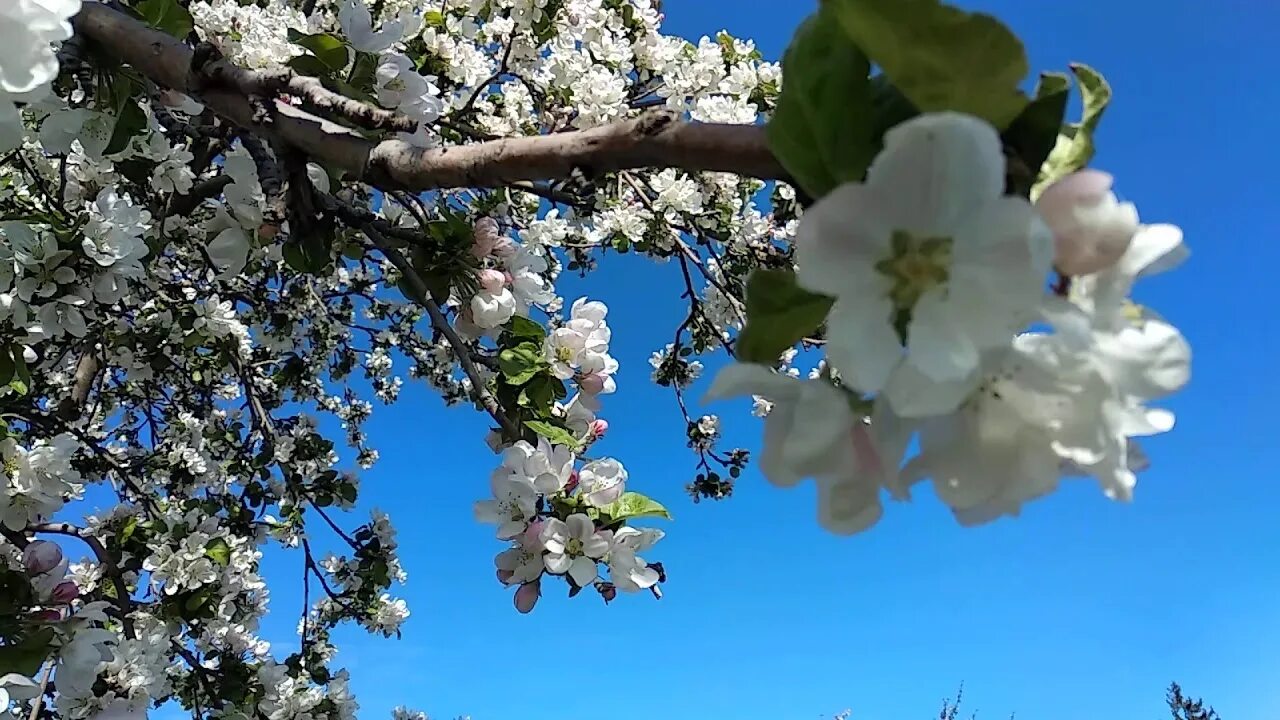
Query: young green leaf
520, 363
1074, 147
557, 435
634, 505
218, 551
941, 57
166, 15
821, 129
779, 314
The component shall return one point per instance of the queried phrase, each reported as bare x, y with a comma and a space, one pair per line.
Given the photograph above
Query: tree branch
441, 323
655, 139
117, 580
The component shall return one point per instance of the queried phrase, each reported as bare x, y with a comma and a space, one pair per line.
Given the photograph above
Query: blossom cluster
943, 324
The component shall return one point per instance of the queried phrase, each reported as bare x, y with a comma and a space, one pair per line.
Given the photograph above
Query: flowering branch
655, 139
441, 324
104, 559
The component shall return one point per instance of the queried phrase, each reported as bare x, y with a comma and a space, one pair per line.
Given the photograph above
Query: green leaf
6, 364
821, 129
330, 50
166, 15
522, 329
1033, 134
131, 120
218, 551
634, 505
521, 363
557, 435
433, 18
941, 57
26, 657
130, 526
308, 65
779, 314
1074, 147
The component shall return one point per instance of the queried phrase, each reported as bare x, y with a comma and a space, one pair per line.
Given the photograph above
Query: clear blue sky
766, 618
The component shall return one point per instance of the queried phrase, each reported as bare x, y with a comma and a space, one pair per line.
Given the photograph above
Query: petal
861, 342
510, 529
848, 505
743, 379
937, 344
934, 169
911, 394
583, 571
775, 466
557, 562
580, 526
595, 546
840, 239
821, 429
1155, 249
1149, 361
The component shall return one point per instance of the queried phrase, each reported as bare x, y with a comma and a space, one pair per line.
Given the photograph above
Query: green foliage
557, 435
634, 505
130, 118
821, 130
1033, 134
27, 655
166, 15
13, 369
218, 551
1075, 148
326, 54
941, 57
520, 363
779, 314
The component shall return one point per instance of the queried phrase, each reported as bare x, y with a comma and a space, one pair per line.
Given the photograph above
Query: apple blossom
602, 481
928, 254
41, 556
573, 547
1091, 229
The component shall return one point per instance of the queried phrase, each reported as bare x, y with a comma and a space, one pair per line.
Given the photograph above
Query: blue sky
765, 617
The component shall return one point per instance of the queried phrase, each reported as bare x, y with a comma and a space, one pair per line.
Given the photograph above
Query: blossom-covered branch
655, 139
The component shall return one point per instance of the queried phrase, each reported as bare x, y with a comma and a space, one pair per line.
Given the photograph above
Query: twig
117, 580
38, 703
441, 324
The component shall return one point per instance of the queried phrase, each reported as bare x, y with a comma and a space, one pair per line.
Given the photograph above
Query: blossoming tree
222, 220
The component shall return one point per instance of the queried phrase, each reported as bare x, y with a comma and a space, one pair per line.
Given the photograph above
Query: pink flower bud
492, 280
64, 593
608, 591
46, 616
41, 556
527, 596
573, 481
1091, 229
598, 428
485, 235
591, 383
504, 248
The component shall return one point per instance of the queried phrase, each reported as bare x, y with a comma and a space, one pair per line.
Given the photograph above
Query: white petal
935, 169
861, 342
557, 563
846, 507
743, 379
840, 239
583, 571
821, 430
936, 342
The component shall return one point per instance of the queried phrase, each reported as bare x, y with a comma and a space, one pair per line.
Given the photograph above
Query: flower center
916, 266
573, 547
564, 354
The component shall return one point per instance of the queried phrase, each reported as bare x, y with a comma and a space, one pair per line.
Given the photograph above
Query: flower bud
64, 593
1091, 228
492, 280
485, 236
48, 615
527, 596
573, 481
598, 428
41, 556
591, 383
608, 591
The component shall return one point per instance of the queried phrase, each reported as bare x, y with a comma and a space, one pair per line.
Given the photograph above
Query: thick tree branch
655, 139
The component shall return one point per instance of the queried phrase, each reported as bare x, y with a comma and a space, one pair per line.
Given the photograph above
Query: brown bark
656, 139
